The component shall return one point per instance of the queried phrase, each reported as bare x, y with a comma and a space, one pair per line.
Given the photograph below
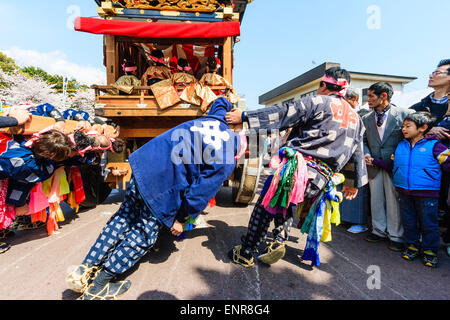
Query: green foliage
7, 64
55, 80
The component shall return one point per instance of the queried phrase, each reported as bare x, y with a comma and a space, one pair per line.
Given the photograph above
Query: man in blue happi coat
174, 177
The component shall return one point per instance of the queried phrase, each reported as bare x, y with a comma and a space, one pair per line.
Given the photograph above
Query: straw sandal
111, 291
31, 226
4, 247
235, 256
273, 252
80, 278
6, 233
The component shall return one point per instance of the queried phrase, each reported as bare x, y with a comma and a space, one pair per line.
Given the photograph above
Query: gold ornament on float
176, 5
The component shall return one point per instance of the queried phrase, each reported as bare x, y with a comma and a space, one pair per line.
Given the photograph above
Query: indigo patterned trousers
127, 237
260, 221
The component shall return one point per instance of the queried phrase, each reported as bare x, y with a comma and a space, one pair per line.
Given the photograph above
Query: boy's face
410, 130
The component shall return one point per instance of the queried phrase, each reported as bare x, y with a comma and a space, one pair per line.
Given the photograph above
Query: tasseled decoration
47, 186
212, 203
332, 214
286, 181
63, 184
39, 216
38, 200
77, 195
71, 201
7, 213
315, 232
59, 187
318, 222
287, 185
55, 215
191, 224
78, 185
52, 224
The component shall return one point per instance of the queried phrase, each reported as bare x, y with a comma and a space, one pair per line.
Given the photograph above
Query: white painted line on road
175, 265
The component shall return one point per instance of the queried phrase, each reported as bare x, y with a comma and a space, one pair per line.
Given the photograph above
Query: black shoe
374, 238
430, 259
410, 253
396, 246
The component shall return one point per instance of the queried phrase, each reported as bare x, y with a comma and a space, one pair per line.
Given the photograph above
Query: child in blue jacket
418, 162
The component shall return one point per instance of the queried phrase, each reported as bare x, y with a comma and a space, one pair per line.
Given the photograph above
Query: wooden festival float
192, 29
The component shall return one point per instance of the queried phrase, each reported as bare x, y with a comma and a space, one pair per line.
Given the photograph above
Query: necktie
380, 116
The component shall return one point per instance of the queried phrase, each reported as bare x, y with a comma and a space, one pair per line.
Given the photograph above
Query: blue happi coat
178, 172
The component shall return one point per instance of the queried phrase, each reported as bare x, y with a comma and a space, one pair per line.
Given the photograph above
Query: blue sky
278, 43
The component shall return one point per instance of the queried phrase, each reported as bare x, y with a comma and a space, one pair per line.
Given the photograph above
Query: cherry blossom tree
19, 89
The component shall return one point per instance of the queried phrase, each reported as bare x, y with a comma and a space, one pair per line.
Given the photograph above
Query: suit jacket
383, 149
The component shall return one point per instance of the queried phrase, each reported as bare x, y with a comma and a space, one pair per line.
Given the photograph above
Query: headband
128, 69
160, 60
187, 69
91, 148
36, 136
343, 83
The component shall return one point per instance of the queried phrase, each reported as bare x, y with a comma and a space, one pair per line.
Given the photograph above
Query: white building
307, 84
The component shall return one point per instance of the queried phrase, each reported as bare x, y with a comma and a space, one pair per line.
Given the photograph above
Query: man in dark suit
383, 134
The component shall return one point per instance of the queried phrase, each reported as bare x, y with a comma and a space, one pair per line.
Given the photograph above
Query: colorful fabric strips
45, 199
323, 212
7, 213
288, 183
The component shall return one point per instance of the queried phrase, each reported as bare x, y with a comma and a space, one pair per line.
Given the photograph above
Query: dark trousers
420, 218
444, 205
260, 221
259, 224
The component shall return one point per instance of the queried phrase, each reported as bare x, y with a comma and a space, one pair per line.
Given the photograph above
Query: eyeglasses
435, 73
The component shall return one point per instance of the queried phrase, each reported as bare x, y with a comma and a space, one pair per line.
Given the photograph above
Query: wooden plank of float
228, 60
39, 123
142, 133
104, 88
130, 111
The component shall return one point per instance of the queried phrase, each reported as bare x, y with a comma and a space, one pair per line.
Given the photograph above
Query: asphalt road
198, 268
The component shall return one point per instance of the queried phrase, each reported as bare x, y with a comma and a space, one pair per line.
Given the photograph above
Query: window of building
312, 93
287, 101
365, 92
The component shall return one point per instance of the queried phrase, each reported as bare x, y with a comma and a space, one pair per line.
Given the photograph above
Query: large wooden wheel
246, 178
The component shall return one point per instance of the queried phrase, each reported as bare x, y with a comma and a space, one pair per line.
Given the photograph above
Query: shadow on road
156, 295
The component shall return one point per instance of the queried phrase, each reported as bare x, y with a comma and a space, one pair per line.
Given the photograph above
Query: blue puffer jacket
417, 168
178, 172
